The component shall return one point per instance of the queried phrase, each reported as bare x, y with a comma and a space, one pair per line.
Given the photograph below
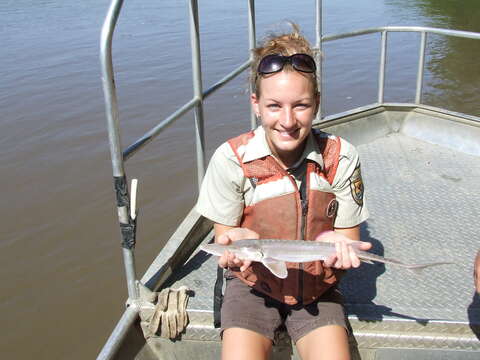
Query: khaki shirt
225, 191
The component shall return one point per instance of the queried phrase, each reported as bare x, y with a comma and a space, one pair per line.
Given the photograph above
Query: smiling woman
286, 113
285, 70
284, 180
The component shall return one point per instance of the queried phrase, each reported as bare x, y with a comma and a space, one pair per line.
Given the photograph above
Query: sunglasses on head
274, 63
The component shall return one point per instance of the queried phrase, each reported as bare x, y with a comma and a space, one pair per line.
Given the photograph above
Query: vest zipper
304, 205
300, 265
304, 216
304, 210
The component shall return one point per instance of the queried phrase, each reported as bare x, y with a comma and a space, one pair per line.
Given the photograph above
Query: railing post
197, 89
252, 44
109, 90
127, 225
381, 73
421, 66
318, 58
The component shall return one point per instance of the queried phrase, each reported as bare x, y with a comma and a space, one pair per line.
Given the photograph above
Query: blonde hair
285, 44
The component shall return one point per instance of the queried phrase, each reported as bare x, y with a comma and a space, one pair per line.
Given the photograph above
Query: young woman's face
286, 107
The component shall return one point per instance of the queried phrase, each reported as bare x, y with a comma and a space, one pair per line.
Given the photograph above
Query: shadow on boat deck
359, 287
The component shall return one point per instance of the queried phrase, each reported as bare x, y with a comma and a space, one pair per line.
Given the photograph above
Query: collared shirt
225, 191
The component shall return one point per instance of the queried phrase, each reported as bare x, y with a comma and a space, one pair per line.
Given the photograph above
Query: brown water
62, 285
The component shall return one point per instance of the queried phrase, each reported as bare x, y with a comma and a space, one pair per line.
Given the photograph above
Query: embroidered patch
332, 208
356, 186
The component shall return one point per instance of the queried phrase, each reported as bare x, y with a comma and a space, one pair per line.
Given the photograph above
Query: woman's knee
326, 342
239, 343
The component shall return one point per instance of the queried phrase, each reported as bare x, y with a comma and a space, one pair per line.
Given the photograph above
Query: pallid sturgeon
275, 253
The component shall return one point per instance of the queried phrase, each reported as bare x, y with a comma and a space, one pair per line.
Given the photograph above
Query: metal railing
119, 156
384, 30
196, 102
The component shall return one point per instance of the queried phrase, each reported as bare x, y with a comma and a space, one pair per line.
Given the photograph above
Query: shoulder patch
356, 186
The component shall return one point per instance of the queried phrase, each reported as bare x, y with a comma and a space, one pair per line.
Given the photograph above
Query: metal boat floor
424, 203
421, 197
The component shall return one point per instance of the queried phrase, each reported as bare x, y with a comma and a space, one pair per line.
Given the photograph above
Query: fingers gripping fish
274, 254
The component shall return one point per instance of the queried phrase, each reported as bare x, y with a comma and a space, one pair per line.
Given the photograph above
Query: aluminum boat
421, 166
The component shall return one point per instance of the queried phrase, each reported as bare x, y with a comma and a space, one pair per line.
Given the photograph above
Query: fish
275, 253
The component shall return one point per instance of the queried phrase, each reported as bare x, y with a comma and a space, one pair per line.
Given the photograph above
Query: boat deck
424, 206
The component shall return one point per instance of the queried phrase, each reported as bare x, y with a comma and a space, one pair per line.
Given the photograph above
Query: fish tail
417, 269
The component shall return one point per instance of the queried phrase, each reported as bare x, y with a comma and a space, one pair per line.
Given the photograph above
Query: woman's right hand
229, 260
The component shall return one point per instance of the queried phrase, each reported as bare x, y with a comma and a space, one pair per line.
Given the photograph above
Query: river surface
62, 283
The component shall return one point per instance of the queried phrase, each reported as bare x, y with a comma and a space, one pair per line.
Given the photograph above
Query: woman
284, 180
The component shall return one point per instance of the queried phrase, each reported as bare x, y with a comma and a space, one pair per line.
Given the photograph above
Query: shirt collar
258, 147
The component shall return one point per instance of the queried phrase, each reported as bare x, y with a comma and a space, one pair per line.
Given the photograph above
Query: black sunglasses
274, 63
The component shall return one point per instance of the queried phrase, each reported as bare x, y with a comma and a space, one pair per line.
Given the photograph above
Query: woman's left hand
345, 258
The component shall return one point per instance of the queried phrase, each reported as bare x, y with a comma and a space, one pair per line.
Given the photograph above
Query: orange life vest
281, 213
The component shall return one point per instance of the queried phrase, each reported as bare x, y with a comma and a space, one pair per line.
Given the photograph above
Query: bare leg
242, 344
326, 342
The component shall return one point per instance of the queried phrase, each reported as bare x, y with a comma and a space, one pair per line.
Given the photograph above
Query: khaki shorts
246, 308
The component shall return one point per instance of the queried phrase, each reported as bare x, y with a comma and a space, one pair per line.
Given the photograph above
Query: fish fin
277, 268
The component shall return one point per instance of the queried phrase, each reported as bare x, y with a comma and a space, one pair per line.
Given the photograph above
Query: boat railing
384, 31
120, 155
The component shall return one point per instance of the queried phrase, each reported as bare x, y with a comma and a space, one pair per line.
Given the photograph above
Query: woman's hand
229, 260
345, 258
